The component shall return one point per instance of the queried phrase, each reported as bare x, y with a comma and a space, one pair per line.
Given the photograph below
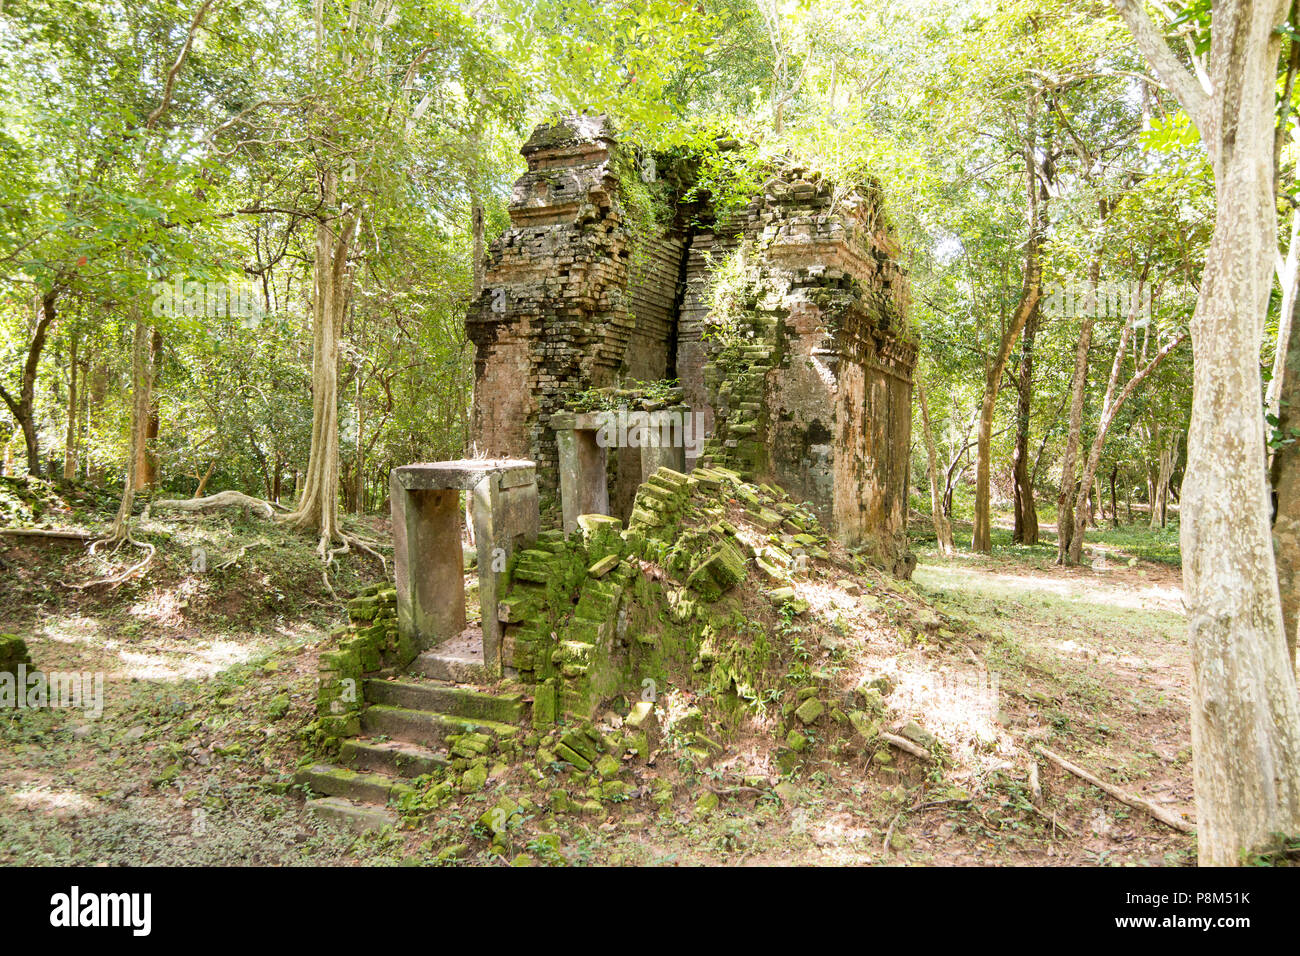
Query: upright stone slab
665, 439
584, 485
428, 556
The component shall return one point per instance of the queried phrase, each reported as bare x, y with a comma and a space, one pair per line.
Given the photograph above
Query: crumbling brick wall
810, 377
569, 302
807, 382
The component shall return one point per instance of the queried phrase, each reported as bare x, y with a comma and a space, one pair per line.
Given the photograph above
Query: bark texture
1245, 707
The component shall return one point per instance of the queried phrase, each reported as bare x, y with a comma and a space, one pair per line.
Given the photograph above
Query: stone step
334, 781
351, 816
457, 668
447, 699
425, 727
392, 757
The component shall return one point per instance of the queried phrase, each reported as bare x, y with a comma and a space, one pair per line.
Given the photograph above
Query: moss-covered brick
668, 478
579, 741
520, 604
722, 570
810, 710
545, 705
13, 653
533, 565
566, 753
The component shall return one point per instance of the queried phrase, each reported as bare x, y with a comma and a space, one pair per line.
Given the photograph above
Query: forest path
1092, 662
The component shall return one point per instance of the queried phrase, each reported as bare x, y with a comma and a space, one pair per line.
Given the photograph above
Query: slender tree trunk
476, 215
1026, 515
317, 508
203, 481
1114, 507
942, 530
1110, 408
1289, 279
146, 468
1160, 496
139, 419
358, 480
1285, 478
982, 532
70, 437
23, 407
1074, 428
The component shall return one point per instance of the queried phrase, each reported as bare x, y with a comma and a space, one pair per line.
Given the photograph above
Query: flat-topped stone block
464, 474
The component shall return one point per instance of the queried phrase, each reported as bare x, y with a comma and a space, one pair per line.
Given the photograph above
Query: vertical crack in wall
817, 395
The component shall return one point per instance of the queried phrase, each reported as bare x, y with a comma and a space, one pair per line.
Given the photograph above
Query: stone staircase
409, 724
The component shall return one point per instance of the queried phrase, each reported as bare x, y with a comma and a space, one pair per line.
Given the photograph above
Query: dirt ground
209, 679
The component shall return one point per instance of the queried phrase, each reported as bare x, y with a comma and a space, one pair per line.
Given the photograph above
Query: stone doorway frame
428, 553
584, 474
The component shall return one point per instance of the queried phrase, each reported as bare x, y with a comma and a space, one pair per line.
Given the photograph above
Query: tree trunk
139, 420
317, 509
152, 460
70, 437
982, 532
942, 530
1114, 507
1026, 515
1245, 706
1111, 405
23, 407
358, 480
1074, 430
203, 481
1164, 473
476, 215
1285, 478
1289, 279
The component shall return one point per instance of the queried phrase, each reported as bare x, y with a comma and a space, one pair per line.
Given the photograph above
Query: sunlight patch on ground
73, 630
58, 802
163, 607
1089, 590
1098, 655
150, 659
193, 661
959, 705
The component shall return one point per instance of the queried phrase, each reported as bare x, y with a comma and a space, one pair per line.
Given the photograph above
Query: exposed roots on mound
221, 500
117, 540
327, 552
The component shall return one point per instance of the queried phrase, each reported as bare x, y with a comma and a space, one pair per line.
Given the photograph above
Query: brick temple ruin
676, 417
805, 382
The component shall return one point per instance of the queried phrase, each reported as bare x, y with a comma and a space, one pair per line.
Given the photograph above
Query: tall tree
1245, 706
1030, 294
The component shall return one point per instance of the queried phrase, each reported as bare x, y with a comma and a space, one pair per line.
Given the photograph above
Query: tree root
210, 503
327, 552
1137, 803
230, 562
136, 569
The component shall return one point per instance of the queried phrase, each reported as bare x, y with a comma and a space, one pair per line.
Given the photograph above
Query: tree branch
1189, 91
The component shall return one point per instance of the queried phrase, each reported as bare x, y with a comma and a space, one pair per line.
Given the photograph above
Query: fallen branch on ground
1053, 822
45, 533
902, 743
1137, 803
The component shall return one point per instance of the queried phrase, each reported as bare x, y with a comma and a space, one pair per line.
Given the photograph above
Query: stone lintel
464, 474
